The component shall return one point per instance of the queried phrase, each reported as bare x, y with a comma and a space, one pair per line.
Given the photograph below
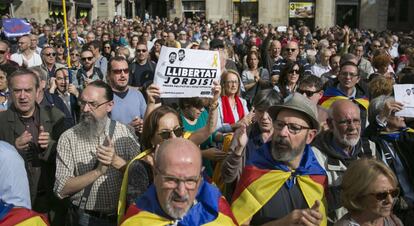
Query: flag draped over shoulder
262, 178
15, 216
210, 209
333, 94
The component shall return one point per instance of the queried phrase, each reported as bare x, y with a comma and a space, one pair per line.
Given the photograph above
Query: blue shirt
14, 185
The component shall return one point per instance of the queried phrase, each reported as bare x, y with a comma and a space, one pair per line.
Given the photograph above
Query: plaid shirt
77, 156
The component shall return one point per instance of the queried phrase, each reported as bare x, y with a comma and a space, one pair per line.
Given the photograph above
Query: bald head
178, 150
341, 106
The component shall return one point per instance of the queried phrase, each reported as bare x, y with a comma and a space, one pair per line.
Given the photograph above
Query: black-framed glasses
92, 105
293, 128
167, 134
307, 92
86, 58
141, 50
75, 54
172, 182
3, 51
381, 196
290, 50
49, 54
119, 71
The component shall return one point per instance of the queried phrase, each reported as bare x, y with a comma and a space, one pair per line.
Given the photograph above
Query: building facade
367, 14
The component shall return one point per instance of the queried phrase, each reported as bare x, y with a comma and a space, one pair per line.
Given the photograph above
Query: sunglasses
74, 54
166, 134
141, 50
49, 54
381, 196
307, 92
60, 46
2, 51
119, 71
294, 71
290, 50
87, 58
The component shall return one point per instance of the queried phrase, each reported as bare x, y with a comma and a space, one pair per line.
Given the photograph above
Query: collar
354, 91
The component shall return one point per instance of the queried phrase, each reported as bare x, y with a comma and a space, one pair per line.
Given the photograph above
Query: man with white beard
92, 157
337, 147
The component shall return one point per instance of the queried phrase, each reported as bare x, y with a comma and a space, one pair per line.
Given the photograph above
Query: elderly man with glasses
336, 148
179, 196
91, 158
282, 183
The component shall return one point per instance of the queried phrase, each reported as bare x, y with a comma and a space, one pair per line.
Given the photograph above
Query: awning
84, 5
59, 3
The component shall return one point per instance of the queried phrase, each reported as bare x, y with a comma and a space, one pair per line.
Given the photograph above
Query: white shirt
319, 69
35, 60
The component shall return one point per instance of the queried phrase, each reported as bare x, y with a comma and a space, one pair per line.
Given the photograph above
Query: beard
89, 125
283, 151
343, 139
174, 212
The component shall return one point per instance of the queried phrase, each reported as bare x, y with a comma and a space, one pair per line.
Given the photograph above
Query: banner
15, 27
301, 9
186, 72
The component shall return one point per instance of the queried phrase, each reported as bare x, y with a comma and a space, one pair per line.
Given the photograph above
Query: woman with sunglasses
160, 124
60, 52
107, 50
74, 60
369, 189
290, 78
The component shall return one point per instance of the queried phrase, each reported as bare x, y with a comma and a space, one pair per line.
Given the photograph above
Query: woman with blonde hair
369, 189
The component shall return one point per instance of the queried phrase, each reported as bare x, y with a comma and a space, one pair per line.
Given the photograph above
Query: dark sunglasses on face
119, 71
307, 92
74, 54
86, 58
49, 54
141, 50
290, 50
381, 196
2, 51
294, 71
166, 134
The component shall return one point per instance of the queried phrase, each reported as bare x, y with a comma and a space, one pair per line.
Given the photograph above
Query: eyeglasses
294, 72
348, 122
59, 46
2, 51
290, 50
86, 58
92, 105
376, 46
172, 182
166, 134
307, 92
75, 54
141, 50
381, 196
293, 128
49, 54
119, 71
346, 74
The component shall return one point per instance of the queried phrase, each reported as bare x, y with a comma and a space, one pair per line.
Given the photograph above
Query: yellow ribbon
215, 63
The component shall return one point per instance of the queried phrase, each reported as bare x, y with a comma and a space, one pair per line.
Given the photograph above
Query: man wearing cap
282, 183
336, 148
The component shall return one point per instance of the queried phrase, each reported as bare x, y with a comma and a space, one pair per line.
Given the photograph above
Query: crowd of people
301, 128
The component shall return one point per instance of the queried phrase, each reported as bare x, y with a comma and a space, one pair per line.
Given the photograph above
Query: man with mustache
282, 183
338, 146
179, 195
91, 157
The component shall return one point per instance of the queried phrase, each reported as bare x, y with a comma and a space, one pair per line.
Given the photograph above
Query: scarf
227, 111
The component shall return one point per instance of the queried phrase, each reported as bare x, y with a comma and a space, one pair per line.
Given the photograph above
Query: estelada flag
333, 94
209, 209
16, 27
263, 176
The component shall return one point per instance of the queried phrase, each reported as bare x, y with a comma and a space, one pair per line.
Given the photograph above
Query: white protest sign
404, 93
186, 72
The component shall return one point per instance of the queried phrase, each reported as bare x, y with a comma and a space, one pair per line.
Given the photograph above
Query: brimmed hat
300, 103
